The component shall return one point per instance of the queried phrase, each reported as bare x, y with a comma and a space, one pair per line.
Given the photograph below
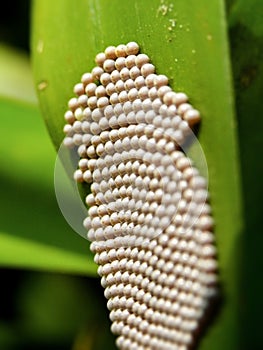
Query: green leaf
187, 41
246, 35
34, 234
248, 14
26, 253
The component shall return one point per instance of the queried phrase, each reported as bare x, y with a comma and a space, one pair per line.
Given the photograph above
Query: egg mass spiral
149, 221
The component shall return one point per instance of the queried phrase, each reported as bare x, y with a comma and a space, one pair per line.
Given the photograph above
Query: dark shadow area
209, 319
15, 14
247, 64
52, 311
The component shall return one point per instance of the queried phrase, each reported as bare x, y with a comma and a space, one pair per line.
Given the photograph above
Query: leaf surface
187, 41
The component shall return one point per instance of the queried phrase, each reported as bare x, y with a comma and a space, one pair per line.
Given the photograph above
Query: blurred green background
65, 308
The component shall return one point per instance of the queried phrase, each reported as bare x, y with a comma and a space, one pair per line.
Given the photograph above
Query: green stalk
187, 41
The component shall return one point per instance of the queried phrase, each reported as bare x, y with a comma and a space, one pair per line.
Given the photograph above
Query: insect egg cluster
149, 221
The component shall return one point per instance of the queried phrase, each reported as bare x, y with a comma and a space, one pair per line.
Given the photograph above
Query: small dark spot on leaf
248, 75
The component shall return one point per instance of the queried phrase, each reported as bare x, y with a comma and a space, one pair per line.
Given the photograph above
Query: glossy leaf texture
187, 41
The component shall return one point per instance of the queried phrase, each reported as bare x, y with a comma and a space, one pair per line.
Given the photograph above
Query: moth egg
168, 98
97, 72
102, 102
192, 116
163, 112
125, 74
208, 251
91, 89
77, 139
129, 84
115, 76
180, 98
73, 103
110, 89
68, 129
183, 108
149, 80
141, 59
79, 89
100, 91
87, 78
147, 69
83, 164
163, 90
82, 100
78, 176
68, 142
205, 222
147, 105
198, 182
105, 79
100, 59
86, 117
156, 104
134, 72
132, 48
120, 63
114, 98
69, 117
77, 125
119, 86
160, 80
123, 97
109, 65
130, 61
120, 51
78, 113
110, 52
96, 115
139, 82
92, 102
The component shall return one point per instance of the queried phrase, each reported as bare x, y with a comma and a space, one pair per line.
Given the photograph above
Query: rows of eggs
127, 124
135, 108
